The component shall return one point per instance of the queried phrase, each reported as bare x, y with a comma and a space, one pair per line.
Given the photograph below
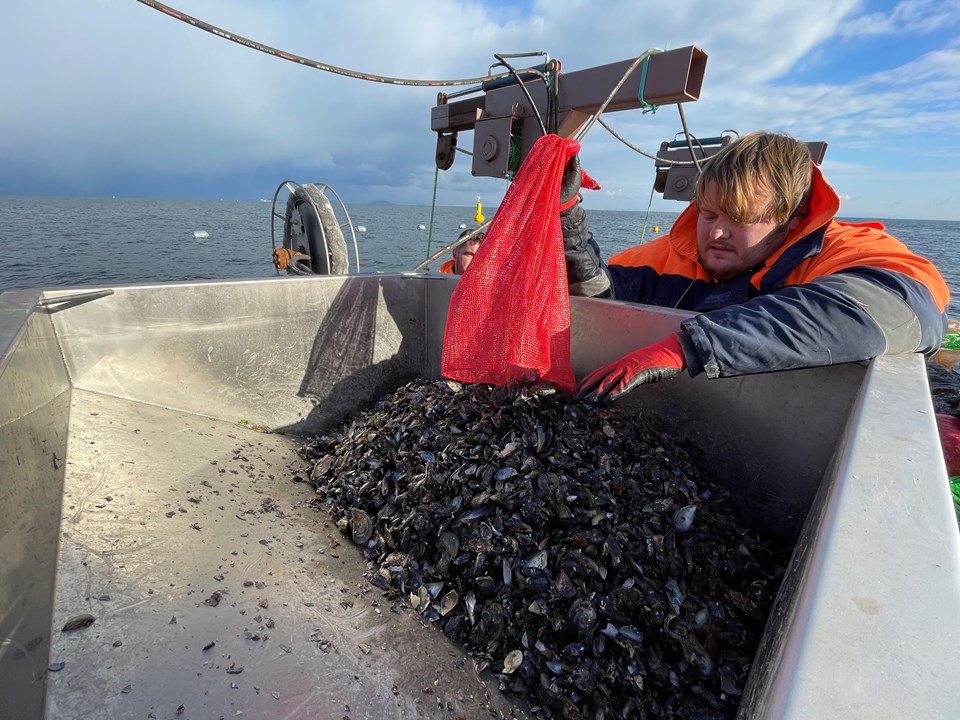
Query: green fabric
951, 341
955, 489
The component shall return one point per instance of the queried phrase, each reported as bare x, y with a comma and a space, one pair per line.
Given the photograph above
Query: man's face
463, 256
727, 249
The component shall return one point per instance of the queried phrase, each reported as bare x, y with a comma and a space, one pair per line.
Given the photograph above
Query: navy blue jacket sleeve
848, 316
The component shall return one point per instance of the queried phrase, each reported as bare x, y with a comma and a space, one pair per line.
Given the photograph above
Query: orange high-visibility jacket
835, 292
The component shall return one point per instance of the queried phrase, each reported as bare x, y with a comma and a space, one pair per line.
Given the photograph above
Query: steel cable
292, 57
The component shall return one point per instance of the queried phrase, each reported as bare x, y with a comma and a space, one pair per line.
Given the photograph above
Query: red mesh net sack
509, 317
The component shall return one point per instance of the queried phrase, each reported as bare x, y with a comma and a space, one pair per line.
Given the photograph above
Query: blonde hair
759, 176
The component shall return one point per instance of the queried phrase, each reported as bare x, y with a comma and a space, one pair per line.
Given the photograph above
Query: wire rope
643, 152
686, 134
292, 57
456, 243
523, 87
646, 216
433, 207
596, 116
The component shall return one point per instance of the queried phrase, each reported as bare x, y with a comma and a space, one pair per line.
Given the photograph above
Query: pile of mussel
574, 550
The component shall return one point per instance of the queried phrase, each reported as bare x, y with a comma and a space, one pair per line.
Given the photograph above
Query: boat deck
165, 513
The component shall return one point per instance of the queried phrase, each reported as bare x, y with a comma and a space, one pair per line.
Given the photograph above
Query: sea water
57, 242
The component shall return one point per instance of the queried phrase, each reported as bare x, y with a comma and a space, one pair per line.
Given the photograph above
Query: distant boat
463, 225
264, 200
421, 226
200, 234
361, 228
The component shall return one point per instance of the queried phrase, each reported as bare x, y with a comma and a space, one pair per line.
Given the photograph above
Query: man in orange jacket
780, 283
462, 255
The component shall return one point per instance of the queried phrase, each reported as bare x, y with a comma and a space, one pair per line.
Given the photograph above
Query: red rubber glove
659, 361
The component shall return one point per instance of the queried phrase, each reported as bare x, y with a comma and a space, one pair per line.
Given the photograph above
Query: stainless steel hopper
147, 448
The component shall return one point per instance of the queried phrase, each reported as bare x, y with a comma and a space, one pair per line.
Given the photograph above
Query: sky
109, 98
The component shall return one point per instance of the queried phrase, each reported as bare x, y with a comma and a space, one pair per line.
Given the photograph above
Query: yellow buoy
656, 228
479, 216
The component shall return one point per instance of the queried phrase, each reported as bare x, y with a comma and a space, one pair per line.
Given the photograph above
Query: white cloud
910, 17
119, 88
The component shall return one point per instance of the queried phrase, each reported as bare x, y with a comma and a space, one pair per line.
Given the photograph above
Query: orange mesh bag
509, 317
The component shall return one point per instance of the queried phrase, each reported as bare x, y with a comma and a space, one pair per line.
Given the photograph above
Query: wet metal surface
217, 590
34, 405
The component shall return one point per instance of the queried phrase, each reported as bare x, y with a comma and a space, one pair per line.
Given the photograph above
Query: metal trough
146, 454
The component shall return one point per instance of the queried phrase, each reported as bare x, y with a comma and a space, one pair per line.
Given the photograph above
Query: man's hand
573, 180
585, 273
659, 361
570, 183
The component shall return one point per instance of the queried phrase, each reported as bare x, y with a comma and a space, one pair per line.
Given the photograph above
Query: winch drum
310, 223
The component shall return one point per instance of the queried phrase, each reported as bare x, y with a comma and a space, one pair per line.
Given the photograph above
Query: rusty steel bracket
502, 116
